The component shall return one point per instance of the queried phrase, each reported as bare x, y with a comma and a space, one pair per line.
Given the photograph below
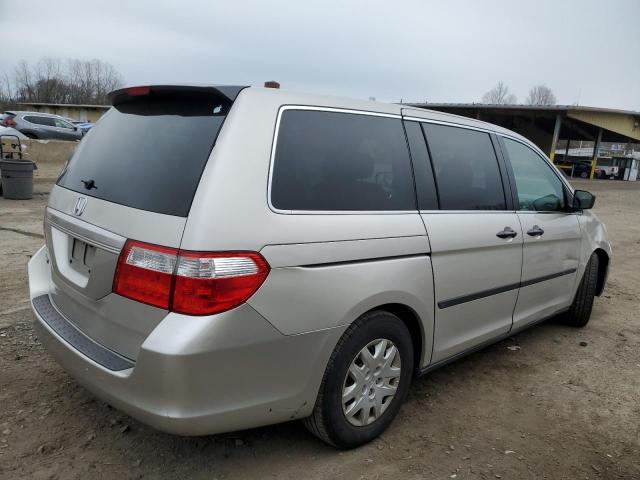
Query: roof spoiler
226, 92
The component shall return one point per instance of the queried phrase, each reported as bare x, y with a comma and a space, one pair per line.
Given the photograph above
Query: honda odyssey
220, 258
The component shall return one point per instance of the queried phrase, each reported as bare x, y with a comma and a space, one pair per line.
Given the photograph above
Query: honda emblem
79, 208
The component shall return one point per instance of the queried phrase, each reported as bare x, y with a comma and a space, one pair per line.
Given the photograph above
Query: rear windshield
148, 153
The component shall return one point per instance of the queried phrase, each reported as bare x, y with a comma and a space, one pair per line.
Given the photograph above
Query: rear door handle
508, 232
536, 231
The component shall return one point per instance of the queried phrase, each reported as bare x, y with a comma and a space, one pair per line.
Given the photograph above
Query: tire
584, 175
329, 421
580, 311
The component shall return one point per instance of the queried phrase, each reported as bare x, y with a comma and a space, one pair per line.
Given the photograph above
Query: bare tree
499, 95
23, 79
6, 92
76, 81
91, 81
541, 95
49, 80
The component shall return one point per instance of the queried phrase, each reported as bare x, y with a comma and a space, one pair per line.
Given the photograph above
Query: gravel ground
566, 404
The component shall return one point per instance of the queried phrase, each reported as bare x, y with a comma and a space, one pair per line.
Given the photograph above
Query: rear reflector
193, 283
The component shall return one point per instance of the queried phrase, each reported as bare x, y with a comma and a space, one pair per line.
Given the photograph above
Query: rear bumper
201, 375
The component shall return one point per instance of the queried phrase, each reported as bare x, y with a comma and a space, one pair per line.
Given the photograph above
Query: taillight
193, 283
145, 273
9, 122
208, 283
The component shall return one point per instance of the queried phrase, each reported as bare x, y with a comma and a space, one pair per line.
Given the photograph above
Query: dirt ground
555, 408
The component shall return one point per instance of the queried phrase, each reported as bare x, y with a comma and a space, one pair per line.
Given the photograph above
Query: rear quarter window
334, 161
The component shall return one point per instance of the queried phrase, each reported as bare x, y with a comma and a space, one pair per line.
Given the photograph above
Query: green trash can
17, 179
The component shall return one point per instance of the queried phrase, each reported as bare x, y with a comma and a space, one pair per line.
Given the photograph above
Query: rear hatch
133, 176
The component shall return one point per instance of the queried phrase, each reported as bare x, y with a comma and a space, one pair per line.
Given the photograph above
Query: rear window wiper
89, 184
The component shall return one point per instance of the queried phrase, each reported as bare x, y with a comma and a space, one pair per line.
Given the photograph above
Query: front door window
539, 188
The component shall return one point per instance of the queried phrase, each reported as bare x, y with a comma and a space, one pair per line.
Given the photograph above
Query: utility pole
556, 135
596, 149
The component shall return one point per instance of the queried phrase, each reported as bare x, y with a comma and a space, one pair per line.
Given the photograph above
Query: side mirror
583, 200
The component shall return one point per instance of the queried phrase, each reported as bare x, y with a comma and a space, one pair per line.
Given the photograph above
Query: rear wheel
580, 311
366, 381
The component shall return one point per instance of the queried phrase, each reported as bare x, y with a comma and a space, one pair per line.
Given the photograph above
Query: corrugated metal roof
617, 125
550, 108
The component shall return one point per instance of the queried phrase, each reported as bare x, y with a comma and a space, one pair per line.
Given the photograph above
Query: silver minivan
220, 258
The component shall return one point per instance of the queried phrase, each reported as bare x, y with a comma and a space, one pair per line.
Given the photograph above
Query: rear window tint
148, 153
341, 162
466, 168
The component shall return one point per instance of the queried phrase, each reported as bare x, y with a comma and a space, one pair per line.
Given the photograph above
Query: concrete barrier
50, 156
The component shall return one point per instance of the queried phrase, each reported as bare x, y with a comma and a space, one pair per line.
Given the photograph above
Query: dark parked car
43, 126
581, 169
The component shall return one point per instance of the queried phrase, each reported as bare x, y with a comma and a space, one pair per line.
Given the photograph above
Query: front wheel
580, 311
366, 380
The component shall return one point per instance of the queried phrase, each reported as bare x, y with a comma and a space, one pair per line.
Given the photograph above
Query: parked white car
607, 171
12, 131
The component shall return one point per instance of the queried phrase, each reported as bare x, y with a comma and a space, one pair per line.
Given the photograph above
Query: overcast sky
587, 51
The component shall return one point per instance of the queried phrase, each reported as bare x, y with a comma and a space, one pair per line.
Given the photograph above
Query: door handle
508, 232
536, 231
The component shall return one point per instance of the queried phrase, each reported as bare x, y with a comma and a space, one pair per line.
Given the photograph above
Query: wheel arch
603, 270
411, 320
